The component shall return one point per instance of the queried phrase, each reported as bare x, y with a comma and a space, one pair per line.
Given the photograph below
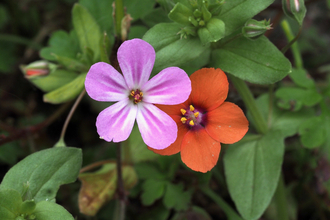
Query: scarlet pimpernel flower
205, 120
135, 95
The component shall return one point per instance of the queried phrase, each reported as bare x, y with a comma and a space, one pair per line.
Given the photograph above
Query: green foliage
252, 181
51, 211
257, 61
40, 175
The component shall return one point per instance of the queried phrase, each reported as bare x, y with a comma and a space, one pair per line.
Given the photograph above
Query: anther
183, 120
196, 114
183, 111
191, 123
191, 108
132, 93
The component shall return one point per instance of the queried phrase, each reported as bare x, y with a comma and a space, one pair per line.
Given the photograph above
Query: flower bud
37, 68
27, 207
213, 31
254, 29
215, 8
295, 9
180, 14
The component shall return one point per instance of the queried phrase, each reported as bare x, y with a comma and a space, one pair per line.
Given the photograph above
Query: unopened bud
216, 7
180, 14
254, 29
295, 9
37, 68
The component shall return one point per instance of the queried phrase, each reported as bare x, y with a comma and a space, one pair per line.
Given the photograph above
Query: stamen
191, 108
132, 93
196, 114
183, 111
191, 123
141, 94
183, 120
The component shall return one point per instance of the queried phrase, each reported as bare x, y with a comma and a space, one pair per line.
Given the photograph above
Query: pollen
191, 123
183, 120
183, 111
196, 114
191, 108
136, 96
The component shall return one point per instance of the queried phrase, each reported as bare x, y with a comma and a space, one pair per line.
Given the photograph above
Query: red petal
176, 146
227, 123
209, 88
199, 151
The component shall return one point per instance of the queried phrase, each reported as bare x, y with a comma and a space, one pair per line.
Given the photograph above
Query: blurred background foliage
25, 28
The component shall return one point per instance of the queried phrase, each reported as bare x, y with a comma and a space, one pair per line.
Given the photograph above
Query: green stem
61, 142
250, 103
120, 210
293, 44
280, 200
231, 214
271, 102
119, 15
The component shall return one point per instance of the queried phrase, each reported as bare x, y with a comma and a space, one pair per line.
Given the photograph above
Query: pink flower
135, 95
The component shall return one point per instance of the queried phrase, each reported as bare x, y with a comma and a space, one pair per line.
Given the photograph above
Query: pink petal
136, 59
169, 87
105, 83
115, 123
158, 130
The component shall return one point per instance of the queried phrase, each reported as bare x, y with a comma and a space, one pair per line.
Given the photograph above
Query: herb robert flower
205, 120
135, 95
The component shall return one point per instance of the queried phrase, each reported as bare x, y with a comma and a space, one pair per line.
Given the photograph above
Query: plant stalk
120, 186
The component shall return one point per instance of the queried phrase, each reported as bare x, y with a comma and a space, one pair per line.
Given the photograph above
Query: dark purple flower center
136, 96
192, 117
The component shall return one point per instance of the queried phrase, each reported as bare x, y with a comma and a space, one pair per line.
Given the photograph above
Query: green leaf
137, 8
51, 211
252, 170
149, 170
235, 13
72, 64
301, 78
170, 49
10, 203
158, 15
43, 172
101, 12
176, 198
214, 31
61, 44
257, 61
285, 121
67, 92
313, 132
307, 97
54, 80
88, 31
152, 190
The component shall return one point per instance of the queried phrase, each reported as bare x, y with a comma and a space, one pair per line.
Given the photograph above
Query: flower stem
231, 214
119, 15
292, 43
61, 142
120, 186
250, 103
280, 200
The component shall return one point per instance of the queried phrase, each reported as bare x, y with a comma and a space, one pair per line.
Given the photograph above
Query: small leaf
10, 203
88, 31
301, 78
214, 31
257, 61
152, 190
312, 132
44, 172
71, 64
176, 198
67, 92
61, 44
51, 211
252, 170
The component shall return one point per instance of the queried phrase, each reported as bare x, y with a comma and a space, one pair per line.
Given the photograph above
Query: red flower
205, 120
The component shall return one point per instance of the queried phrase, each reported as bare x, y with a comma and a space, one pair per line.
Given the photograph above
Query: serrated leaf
44, 172
312, 132
257, 61
67, 92
175, 197
61, 44
10, 203
88, 31
252, 170
51, 211
152, 190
